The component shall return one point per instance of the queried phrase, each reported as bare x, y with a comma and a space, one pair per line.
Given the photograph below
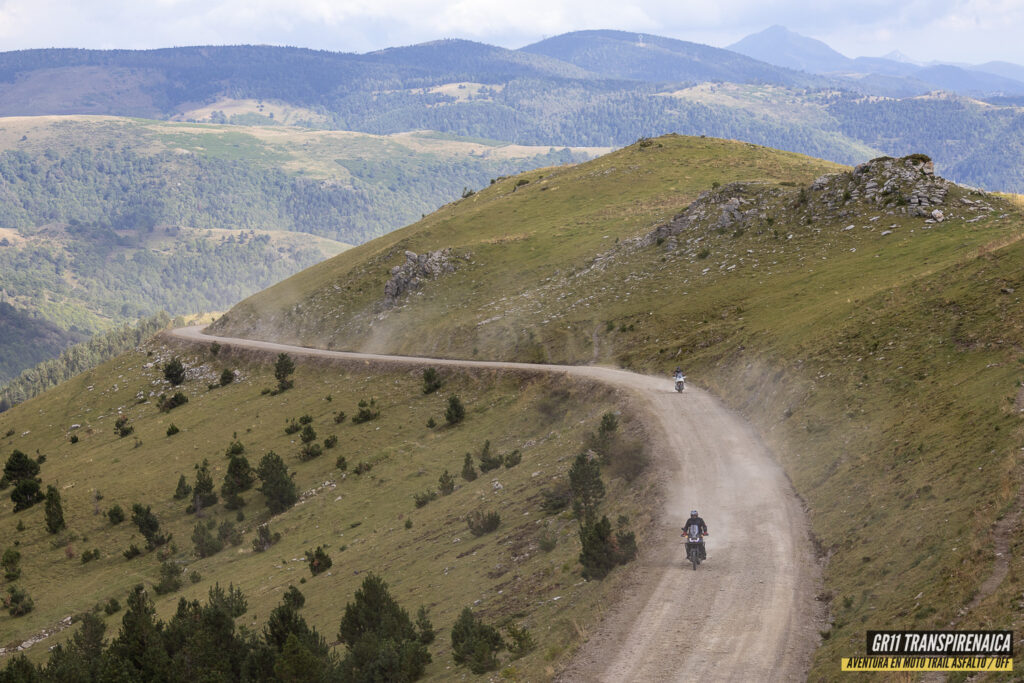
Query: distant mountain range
588, 89
779, 46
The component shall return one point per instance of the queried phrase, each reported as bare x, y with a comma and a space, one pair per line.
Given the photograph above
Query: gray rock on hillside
410, 275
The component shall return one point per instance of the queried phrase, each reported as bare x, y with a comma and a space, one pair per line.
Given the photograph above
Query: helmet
693, 513
678, 369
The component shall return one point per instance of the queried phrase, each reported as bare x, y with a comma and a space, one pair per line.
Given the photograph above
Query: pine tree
174, 371
283, 368
54, 510
586, 485
468, 471
456, 412
184, 490
277, 484
203, 495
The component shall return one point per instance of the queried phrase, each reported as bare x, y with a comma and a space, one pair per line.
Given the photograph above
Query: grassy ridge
359, 518
878, 354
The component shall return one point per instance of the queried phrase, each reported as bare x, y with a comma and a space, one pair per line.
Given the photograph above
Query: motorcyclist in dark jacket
701, 526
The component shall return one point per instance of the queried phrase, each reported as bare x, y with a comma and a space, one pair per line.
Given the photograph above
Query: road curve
749, 612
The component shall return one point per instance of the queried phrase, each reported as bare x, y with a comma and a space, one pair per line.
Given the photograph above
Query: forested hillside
78, 358
103, 221
28, 340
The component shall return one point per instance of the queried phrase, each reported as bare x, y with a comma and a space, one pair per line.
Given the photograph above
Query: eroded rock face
410, 275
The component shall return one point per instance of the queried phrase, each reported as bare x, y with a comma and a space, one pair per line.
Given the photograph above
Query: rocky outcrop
730, 208
410, 275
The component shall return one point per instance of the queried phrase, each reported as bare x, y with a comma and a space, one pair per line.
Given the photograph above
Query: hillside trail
749, 612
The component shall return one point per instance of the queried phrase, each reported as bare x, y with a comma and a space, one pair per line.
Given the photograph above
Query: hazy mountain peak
898, 56
779, 46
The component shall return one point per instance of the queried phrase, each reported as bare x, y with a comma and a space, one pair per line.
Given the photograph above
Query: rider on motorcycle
702, 528
678, 374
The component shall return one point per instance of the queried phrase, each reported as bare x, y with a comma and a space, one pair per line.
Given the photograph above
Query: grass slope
879, 354
367, 522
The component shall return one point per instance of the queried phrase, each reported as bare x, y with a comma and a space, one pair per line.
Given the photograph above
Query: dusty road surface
748, 613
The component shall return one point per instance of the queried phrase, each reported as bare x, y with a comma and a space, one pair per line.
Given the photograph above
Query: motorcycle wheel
695, 560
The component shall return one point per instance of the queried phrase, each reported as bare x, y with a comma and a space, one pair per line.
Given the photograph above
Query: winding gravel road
748, 613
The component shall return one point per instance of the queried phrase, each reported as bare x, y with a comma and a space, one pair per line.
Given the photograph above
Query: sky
970, 31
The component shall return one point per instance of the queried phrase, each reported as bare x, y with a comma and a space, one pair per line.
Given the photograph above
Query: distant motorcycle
695, 552
680, 383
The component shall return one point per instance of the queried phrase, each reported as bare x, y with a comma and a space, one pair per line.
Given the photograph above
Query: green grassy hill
875, 348
362, 512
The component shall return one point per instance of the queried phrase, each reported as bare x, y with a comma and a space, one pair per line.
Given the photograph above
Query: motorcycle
680, 383
695, 552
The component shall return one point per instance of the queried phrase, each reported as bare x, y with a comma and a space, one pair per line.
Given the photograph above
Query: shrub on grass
294, 598
90, 555
169, 403
54, 510
174, 371
521, 641
203, 495
283, 369
422, 499
456, 412
18, 602
10, 562
431, 381
431, 423
488, 460
513, 458
363, 467
339, 417
468, 471
292, 427
149, 526
228, 533
115, 514
556, 499
183, 489
341, 463
306, 419
26, 493
112, 606
264, 538
601, 552
170, 579
319, 561
310, 451
131, 552
586, 486
367, 410
121, 426
446, 483
331, 441
234, 448
481, 523
205, 543
277, 485
19, 466
172, 430
239, 478
475, 643
227, 377
307, 434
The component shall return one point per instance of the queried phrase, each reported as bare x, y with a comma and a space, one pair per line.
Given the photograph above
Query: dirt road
749, 612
